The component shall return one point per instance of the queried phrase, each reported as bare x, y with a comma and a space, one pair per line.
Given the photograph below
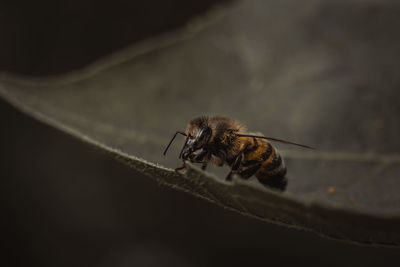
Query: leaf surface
324, 74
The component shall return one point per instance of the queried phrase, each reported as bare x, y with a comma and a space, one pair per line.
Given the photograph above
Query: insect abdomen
269, 167
273, 170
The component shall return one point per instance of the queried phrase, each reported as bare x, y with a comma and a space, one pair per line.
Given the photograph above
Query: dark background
67, 204
50, 37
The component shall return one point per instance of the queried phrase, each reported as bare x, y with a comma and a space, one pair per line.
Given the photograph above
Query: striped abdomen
271, 168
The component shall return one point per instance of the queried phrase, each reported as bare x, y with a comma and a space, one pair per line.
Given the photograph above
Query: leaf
324, 74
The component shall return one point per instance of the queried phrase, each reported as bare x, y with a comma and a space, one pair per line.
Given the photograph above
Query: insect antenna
274, 139
172, 139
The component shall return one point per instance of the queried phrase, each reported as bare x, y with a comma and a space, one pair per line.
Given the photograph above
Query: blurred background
65, 203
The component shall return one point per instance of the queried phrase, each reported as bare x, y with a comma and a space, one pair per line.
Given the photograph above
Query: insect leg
235, 166
238, 164
199, 157
203, 157
250, 171
205, 163
180, 168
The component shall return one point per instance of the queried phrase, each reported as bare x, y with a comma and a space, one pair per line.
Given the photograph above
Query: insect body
223, 141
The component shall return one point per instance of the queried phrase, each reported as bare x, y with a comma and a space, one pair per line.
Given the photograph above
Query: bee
223, 141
